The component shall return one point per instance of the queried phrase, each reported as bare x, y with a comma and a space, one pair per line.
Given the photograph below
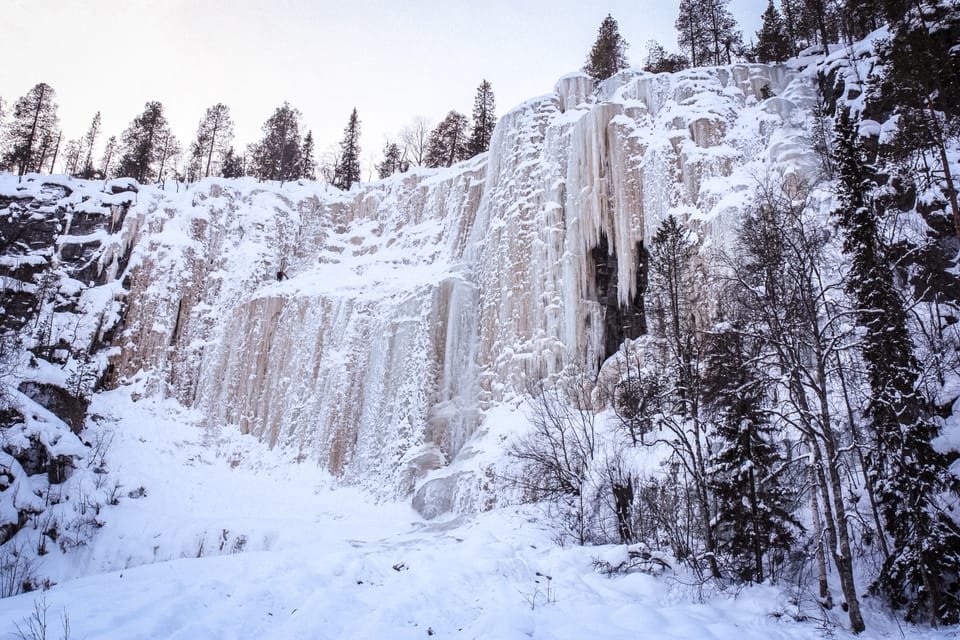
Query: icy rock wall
408, 307
316, 320
582, 164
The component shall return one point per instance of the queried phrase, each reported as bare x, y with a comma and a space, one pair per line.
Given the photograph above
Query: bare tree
786, 289
415, 139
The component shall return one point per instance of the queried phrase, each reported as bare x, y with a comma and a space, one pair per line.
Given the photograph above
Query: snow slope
320, 561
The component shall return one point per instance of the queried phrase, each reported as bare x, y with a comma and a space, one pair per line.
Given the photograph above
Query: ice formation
372, 331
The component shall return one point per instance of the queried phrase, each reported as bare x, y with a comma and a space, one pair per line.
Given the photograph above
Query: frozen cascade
370, 331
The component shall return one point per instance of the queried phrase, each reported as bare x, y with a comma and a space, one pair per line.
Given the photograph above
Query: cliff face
370, 331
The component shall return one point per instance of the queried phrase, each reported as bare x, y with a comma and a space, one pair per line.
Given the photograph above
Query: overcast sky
391, 60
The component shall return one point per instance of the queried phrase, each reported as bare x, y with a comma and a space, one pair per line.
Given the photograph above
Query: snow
231, 540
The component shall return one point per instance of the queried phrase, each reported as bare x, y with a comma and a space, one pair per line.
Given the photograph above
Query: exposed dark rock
58, 401
620, 321
33, 459
9, 417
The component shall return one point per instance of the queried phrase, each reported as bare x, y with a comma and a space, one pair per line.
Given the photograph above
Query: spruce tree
660, 61
308, 162
448, 141
484, 120
608, 54
752, 500
392, 161
31, 130
232, 164
347, 171
144, 143
773, 44
910, 477
921, 85
671, 294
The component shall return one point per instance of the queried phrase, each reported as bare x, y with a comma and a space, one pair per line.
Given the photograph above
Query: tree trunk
826, 598
947, 174
703, 497
840, 547
867, 484
757, 547
213, 142
56, 150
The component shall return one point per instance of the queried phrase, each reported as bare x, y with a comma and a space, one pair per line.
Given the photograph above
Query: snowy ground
282, 554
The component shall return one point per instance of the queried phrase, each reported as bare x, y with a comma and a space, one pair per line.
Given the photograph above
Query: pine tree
909, 475
448, 141
277, 155
144, 143
347, 171
31, 132
49, 147
773, 44
752, 502
89, 140
214, 135
707, 31
691, 33
608, 54
392, 161
484, 120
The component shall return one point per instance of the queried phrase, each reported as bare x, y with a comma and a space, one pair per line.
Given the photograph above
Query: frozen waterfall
414, 304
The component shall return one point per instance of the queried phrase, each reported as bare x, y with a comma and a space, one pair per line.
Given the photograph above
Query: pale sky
393, 61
